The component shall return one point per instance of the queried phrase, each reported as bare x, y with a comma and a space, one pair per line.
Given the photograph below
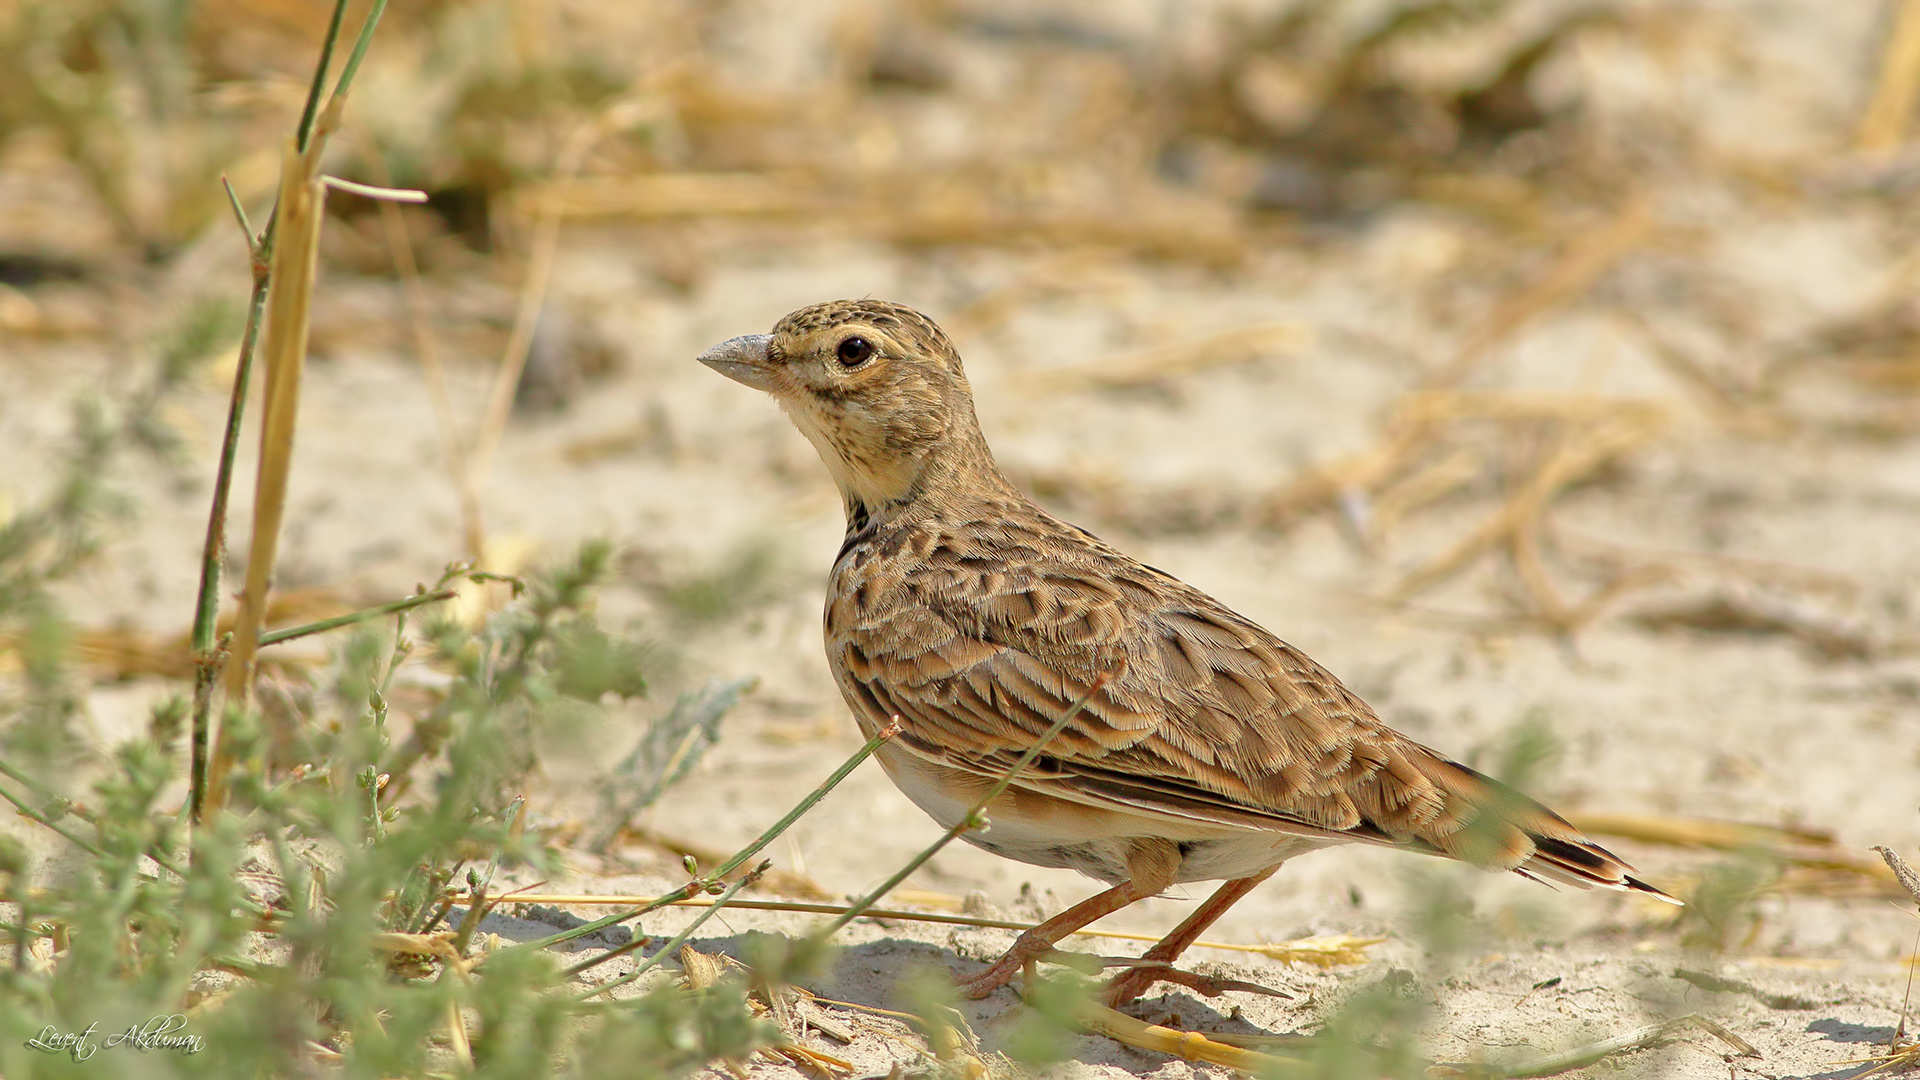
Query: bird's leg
1156, 964
1150, 868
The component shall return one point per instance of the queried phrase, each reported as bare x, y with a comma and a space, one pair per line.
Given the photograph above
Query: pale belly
1045, 831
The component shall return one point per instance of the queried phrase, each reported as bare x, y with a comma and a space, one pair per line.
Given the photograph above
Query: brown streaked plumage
1214, 749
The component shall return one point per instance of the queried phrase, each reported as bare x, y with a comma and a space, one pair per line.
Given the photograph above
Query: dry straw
285, 258
1437, 442
621, 113
1329, 950
1221, 1049
1883, 127
289, 303
400, 244
1587, 258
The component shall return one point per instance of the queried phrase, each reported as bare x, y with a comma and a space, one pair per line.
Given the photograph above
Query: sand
1779, 510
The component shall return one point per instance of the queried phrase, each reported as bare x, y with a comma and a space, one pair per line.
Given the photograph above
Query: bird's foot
1018, 961
1134, 981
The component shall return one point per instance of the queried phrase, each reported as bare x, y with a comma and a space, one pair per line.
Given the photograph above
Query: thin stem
206, 611
34, 815
36, 786
533, 291
672, 945
685, 892
369, 191
295, 878
400, 245
299, 213
699, 885
308, 113
239, 211
275, 637
477, 909
45, 792
973, 819
640, 941
788, 905
1269, 949
402, 649
808, 803
260, 252
359, 52
207, 603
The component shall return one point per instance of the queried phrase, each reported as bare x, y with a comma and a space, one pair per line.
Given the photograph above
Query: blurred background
1550, 371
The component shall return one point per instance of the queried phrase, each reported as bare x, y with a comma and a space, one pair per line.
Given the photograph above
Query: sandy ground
1811, 521
1746, 728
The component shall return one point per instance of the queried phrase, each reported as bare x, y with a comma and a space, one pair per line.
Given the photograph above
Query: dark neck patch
861, 526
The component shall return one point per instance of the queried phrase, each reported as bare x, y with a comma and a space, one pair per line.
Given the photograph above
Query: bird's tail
1500, 828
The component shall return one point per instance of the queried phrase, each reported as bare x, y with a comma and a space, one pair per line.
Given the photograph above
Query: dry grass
1889, 114
1324, 951
1095, 169
1813, 862
1222, 1049
289, 302
1439, 444
1585, 260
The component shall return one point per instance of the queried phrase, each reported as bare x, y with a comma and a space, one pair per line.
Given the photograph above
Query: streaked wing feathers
980, 638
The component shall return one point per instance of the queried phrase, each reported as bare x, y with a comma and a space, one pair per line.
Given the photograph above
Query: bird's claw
975, 987
1017, 962
1134, 981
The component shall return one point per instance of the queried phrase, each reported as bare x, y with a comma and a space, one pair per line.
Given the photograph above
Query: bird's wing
1204, 716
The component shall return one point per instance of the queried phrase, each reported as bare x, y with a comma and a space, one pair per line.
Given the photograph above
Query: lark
1207, 749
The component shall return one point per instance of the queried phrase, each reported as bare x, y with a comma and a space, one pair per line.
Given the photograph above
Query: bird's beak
743, 359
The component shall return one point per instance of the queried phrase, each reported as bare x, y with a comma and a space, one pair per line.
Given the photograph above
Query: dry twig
1436, 444
1584, 262
622, 112
427, 345
1185, 1045
1581, 1057
1329, 950
1814, 853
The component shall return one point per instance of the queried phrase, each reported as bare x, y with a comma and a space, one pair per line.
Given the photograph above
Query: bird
1204, 748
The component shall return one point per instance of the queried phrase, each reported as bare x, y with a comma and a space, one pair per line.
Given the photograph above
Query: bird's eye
854, 351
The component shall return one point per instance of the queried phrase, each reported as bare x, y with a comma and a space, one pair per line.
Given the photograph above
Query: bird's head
877, 388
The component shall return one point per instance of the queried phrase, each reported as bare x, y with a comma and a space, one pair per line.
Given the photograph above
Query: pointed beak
743, 359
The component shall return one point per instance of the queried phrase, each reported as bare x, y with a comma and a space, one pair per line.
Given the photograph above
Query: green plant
324, 908
45, 543
304, 912
666, 752
1720, 913
742, 578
